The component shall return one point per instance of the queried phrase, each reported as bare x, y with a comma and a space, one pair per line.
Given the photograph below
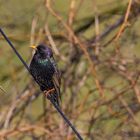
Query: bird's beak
33, 46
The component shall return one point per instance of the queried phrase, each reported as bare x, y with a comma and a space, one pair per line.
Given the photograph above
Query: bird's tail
54, 97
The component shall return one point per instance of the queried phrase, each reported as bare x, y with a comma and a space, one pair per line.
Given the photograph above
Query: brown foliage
100, 81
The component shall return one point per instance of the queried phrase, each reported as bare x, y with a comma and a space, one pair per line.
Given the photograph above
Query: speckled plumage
44, 70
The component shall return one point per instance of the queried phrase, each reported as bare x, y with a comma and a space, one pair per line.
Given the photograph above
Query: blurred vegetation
100, 72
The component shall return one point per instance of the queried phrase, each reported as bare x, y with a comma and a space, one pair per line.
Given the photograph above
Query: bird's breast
43, 62
46, 66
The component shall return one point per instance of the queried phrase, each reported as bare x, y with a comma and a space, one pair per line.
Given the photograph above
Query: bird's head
43, 51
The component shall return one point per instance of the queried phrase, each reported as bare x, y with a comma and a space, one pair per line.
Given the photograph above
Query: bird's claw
47, 93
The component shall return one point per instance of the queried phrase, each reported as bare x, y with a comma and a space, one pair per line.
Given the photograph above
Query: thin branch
125, 22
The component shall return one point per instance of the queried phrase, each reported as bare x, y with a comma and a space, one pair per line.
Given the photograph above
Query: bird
45, 72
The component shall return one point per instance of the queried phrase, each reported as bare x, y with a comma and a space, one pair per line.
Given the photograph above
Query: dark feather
45, 72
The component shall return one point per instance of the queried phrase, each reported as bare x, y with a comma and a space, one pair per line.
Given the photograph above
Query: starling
44, 70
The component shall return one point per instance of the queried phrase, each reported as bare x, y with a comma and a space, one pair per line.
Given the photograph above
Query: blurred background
96, 45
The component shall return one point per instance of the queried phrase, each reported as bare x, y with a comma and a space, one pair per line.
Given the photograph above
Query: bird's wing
57, 81
56, 77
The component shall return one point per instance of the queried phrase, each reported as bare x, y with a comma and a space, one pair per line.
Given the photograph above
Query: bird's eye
41, 52
39, 49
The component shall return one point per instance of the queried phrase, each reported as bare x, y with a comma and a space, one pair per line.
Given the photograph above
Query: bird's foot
49, 92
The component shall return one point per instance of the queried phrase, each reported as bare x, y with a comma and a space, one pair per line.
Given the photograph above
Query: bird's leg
51, 91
